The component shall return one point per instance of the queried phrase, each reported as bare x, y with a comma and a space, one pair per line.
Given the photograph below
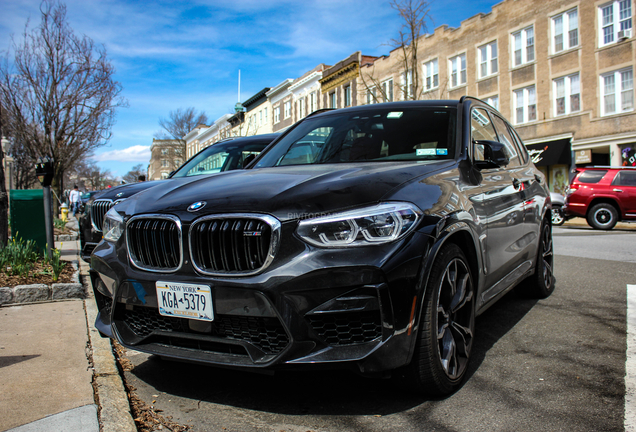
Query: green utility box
27, 215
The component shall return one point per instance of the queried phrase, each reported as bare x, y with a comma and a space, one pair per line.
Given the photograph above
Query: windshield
384, 134
220, 157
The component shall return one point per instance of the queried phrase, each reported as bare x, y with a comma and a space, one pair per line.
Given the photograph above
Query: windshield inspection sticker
394, 115
425, 152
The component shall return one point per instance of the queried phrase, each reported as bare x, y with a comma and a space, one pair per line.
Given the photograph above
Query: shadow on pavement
315, 392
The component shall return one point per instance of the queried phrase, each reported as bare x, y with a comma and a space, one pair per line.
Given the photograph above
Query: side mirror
494, 154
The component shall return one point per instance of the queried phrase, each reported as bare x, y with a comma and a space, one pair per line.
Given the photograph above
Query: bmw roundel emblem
196, 206
119, 195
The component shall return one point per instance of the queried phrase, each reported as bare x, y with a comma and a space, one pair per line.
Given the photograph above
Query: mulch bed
38, 275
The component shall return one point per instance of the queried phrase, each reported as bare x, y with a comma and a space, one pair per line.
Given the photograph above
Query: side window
591, 176
521, 147
481, 129
625, 178
506, 139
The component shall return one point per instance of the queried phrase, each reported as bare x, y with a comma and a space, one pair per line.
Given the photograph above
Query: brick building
561, 71
339, 83
165, 157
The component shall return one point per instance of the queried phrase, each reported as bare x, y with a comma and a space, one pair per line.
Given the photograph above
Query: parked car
366, 238
558, 215
603, 195
225, 155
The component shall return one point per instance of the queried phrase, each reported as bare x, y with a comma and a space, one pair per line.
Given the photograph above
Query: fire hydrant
64, 209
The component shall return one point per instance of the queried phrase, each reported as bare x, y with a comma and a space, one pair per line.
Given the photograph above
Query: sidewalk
56, 372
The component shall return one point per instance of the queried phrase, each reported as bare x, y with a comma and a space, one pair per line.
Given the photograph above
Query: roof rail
608, 167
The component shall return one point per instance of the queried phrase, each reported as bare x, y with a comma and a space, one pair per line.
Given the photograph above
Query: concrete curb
40, 292
114, 408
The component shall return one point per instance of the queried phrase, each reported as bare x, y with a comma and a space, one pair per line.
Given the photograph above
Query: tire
447, 327
602, 216
558, 218
541, 283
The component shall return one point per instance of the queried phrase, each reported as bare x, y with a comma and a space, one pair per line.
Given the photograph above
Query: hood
127, 190
287, 193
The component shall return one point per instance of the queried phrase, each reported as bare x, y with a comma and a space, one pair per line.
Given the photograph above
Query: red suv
603, 195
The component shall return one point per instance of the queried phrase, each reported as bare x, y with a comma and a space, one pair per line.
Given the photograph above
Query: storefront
554, 159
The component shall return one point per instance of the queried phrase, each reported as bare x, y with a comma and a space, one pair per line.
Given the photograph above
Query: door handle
618, 190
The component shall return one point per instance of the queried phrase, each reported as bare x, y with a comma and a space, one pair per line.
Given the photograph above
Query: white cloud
137, 153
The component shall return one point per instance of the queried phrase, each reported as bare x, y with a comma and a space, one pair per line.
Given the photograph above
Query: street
554, 364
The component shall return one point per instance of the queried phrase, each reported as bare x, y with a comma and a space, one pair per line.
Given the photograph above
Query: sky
179, 54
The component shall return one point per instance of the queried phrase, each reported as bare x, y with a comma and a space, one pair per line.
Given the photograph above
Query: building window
487, 59
523, 45
407, 85
387, 90
565, 28
332, 100
493, 101
260, 118
277, 114
177, 163
164, 152
567, 95
164, 163
458, 70
164, 175
525, 101
312, 100
615, 21
287, 109
347, 96
431, 75
618, 92
265, 115
301, 108
371, 96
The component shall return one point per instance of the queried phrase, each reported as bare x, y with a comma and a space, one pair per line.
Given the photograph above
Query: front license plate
185, 300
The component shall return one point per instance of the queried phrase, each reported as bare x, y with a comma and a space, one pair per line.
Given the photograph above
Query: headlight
113, 226
379, 224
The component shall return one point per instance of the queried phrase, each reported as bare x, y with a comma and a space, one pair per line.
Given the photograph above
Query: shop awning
557, 152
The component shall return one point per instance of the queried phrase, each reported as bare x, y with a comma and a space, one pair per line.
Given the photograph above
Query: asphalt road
551, 365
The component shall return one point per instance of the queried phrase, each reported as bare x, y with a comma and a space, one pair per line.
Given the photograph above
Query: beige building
561, 71
165, 157
281, 99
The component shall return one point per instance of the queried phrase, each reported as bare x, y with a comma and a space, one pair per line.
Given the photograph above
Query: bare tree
133, 175
177, 125
93, 177
60, 92
415, 14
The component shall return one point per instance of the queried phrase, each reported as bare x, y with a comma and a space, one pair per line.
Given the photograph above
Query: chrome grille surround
154, 242
99, 208
243, 249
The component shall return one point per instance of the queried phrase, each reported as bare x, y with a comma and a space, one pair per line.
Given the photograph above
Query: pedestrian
74, 200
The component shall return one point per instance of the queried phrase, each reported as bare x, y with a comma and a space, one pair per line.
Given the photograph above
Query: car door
503, 204
624, 186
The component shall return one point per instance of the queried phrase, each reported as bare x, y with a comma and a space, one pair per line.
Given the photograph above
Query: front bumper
309, 311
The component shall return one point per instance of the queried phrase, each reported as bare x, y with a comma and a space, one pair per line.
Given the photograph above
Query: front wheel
447, 326
602, 216
541, 283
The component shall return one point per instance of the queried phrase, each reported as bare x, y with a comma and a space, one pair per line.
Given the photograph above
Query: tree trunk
4, 204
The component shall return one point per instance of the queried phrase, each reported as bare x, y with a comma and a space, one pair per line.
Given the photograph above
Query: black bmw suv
368, 237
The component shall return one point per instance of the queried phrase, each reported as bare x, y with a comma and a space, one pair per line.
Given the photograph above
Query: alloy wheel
547, 256
455, 318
